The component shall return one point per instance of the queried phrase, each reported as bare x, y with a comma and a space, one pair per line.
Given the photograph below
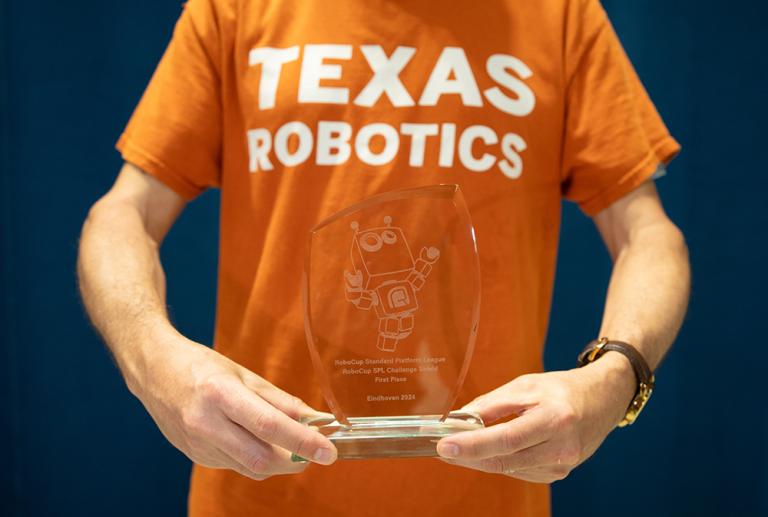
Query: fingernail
323, 455
449, 450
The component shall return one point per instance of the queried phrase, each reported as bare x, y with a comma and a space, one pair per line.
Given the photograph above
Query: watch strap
644, 376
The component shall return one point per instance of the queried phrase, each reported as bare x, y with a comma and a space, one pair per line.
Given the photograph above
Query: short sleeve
614, 138
175, 131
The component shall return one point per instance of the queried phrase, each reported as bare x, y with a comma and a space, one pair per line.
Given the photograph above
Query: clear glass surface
392, 297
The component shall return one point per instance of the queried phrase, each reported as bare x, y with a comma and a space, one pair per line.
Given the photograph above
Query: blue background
74, 441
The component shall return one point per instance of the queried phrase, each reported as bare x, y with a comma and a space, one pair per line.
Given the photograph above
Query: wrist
615, 379
141, 352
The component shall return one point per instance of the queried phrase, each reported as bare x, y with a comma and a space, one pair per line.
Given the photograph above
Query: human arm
563, 417
216, 412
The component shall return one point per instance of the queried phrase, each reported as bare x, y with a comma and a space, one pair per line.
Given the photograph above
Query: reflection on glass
392, 297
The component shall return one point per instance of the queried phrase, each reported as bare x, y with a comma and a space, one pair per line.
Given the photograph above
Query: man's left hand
559, 420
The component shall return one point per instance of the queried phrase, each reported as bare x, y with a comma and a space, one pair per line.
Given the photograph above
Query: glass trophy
391, 297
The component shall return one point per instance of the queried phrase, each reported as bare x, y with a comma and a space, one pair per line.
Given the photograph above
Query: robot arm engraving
423, 266
362, 298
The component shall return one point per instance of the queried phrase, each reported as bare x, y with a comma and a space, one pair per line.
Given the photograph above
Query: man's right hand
218, 413
222, 415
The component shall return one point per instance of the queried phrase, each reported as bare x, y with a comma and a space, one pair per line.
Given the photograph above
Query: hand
560, 419
222, 415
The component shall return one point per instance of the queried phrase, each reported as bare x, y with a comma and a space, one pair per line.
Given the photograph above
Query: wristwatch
645, 378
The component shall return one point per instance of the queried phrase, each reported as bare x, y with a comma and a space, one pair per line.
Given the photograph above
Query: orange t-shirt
296, 109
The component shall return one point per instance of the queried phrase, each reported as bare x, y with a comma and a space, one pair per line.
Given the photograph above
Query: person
297, 109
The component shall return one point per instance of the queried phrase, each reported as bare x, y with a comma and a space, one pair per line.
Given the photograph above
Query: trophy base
392, 436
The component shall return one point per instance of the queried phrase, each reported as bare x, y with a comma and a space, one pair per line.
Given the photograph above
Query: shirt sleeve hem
134, 154
663, 152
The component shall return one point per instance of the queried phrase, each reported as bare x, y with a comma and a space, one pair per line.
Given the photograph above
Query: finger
544, 455
223, 461
505, 438
224, 444
489, 467
275, 427
247, 473
537, 475
543, 463
214, 458
289, 404
254, 455
548, 474
530, 477
509, 399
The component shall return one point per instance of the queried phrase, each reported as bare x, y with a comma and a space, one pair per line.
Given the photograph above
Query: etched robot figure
386, 277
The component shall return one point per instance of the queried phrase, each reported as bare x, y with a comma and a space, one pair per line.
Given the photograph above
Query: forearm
562, 417
122, 284
648, 292
217, 412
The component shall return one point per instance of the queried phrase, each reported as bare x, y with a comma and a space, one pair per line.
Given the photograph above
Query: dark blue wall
74, 442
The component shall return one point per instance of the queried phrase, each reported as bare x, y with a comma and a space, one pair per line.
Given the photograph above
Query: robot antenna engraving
386, 277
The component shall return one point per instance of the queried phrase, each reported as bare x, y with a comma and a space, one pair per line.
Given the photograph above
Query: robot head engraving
381, 250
